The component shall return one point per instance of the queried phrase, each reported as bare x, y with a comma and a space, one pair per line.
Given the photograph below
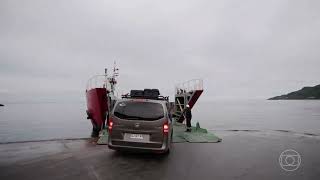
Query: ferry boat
101, 97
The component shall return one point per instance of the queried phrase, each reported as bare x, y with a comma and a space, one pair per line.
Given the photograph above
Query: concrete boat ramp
241, 155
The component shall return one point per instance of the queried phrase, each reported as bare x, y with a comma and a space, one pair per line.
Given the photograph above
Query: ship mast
112, 80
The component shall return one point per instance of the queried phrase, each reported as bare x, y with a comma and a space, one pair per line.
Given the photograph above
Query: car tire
169, 146
167, 152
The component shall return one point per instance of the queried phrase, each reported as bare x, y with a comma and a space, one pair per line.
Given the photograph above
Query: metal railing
189, 86
98, 81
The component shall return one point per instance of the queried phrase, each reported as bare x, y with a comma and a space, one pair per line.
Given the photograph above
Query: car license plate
136, 136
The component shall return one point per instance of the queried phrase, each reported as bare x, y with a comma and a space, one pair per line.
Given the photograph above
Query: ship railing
98, 81
128, 96
189, 86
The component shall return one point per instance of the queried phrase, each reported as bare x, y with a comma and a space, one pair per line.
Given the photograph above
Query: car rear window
135, 110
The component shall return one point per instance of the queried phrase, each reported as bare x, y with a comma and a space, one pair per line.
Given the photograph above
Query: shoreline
215, 131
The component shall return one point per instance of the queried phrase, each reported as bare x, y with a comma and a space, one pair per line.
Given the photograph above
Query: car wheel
169, 146
167, 151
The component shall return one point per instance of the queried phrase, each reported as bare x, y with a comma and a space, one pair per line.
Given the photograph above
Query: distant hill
304, 93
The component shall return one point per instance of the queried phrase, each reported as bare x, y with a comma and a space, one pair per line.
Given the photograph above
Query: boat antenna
105, 78
115, 70
112, 79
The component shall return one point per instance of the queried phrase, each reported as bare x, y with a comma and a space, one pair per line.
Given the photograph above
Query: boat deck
197, 135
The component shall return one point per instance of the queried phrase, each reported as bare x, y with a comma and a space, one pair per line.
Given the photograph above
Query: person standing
188, 116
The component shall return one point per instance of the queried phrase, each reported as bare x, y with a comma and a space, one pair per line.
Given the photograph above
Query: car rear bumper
138, 147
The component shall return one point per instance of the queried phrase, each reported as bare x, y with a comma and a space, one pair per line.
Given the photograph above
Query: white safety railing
189, 86
98, 81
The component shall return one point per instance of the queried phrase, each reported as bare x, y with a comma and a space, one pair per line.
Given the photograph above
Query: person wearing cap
188, 116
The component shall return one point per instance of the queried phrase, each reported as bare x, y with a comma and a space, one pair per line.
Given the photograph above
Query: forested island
304, 93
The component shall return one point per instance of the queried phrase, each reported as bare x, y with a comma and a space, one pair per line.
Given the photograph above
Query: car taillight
165, 128
110, 124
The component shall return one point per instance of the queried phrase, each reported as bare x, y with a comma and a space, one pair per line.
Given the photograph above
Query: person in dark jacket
188, 116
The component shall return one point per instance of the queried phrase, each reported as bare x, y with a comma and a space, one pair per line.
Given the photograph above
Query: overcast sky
242, 49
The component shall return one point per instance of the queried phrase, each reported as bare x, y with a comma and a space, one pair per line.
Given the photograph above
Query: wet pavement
240, 155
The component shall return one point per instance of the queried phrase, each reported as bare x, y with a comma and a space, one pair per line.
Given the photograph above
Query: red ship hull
97, 107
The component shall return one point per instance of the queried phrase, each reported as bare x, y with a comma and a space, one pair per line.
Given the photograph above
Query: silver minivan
140, 125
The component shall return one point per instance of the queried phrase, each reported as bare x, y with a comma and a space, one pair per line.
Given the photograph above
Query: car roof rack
146, 94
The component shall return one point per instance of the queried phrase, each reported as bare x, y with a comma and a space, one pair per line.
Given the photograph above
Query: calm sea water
41, 121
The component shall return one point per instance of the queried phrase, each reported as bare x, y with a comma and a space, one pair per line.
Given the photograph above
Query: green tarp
197, 135
103, 139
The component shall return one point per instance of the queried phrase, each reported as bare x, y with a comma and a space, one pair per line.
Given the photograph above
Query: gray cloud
242, 49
